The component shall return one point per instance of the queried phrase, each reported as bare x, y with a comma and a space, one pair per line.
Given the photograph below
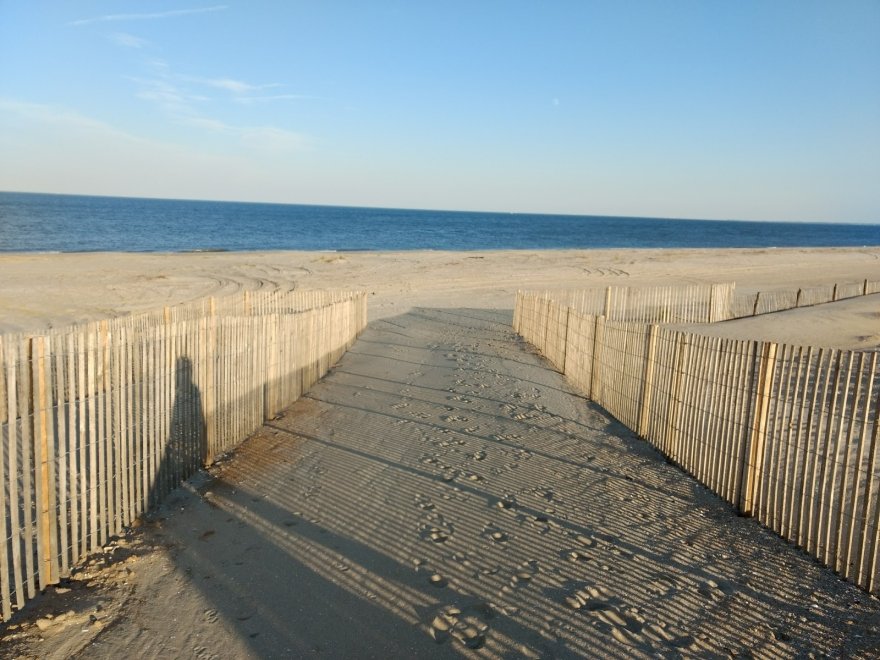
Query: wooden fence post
210, 395
595, 379
676, 399
754, 457
43, 460
713, 294
648, 380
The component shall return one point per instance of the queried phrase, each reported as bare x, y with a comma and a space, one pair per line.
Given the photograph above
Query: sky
743, 109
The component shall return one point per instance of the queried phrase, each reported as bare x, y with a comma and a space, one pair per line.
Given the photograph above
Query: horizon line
445, 210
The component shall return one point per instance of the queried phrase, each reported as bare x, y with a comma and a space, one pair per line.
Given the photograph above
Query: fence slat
864, 466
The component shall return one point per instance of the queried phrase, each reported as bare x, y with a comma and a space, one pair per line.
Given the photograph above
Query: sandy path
442, 492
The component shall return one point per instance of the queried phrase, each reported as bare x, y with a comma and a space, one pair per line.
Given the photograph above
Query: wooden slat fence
699, 303
787, 434
98, 422
777, 300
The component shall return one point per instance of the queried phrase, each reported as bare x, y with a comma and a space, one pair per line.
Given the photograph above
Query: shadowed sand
442, 493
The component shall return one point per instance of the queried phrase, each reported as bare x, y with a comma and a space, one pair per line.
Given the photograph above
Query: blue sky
696, 109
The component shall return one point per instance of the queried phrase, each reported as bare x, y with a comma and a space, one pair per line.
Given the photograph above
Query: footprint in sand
434, 534
576, 556
544, 524
713, 590
494, 534
202, 653
586, 541
437, 580
624, 624
524, 574
663, 585
424, 503
588, 598
465, 625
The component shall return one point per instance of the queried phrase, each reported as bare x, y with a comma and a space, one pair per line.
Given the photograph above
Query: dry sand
441, 492
42, 290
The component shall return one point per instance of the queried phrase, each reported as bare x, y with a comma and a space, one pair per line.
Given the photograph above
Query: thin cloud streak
180, 106
149, 17
128, 40
258, 138
265, 139
229, 84
249, 100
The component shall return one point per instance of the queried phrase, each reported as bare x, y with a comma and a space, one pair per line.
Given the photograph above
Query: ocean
71, 223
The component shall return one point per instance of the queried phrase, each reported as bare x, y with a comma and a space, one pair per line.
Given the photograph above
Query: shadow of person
185, 448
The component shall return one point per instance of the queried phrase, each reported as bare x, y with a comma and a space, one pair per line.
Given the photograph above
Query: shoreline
380, 251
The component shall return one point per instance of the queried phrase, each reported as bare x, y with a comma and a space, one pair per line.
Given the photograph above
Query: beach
52, 290
443, 492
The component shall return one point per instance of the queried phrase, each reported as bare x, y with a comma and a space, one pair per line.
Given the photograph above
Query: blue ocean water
70, 223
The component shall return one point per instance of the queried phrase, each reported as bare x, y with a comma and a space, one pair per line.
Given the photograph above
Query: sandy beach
443, 492
45, 290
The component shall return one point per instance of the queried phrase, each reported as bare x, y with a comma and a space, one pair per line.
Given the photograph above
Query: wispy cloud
60, 116
261, 139
186, 100
169, 97
183, 107
171, 13
229, 84
248, 100
128, 40
257, 138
